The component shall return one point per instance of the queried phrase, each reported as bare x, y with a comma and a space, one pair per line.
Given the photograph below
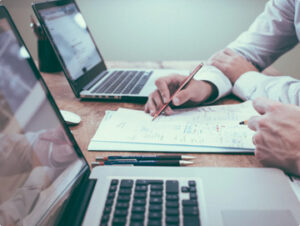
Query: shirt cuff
215, 76
246, 85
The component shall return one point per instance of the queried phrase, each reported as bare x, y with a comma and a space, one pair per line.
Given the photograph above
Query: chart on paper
216, 126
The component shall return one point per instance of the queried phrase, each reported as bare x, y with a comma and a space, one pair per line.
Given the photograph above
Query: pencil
144, 163
146, 157
182, 86
243, 122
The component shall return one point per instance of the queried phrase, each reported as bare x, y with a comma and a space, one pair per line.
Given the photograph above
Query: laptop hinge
76, 207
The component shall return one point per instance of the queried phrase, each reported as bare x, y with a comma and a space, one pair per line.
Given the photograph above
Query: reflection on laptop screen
74, 43
37, 160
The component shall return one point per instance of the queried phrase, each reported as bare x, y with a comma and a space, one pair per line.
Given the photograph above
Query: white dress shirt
274, 32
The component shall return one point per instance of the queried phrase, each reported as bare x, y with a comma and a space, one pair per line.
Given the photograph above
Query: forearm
271, 35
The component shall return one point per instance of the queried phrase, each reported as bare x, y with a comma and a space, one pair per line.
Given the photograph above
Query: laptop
45, 179
82, 62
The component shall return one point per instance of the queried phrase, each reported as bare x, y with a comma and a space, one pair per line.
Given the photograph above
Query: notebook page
204, 126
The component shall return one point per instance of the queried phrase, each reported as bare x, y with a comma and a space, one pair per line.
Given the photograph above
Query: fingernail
151, 112
165, 99
176, 101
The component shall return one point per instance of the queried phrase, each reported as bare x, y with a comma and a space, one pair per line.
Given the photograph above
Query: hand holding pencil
193, 94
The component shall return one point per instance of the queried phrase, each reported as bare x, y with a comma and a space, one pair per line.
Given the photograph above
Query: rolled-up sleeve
272, 34
253, 84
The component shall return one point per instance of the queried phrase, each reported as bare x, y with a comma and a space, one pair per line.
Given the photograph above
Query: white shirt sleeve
254, 84
272, 34
216, 77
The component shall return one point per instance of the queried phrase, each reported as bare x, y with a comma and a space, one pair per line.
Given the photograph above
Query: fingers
263, 105
253, 123
155, 103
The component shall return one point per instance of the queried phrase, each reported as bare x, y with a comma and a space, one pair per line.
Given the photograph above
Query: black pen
144, 163
149, 157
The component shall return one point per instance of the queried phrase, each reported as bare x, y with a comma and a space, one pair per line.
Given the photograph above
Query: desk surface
92, 113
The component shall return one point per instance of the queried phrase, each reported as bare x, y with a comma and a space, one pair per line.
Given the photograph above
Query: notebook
82, 62
45, 179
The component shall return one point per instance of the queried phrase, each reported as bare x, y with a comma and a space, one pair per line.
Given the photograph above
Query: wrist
210, 90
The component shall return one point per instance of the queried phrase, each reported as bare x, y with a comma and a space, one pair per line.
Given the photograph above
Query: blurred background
155, 30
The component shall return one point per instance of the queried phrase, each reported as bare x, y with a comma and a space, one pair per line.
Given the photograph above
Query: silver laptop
45, 179
82, 62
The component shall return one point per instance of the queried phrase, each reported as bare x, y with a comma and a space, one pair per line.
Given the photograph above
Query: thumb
182, 97
262, 105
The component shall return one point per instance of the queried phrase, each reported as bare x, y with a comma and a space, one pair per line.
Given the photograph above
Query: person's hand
231, 64
53, 148
195, 93
277, 137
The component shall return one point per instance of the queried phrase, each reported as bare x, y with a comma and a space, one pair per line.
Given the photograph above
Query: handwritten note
216, 126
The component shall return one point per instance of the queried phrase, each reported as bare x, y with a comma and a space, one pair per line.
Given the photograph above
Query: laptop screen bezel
87, 77
85, 171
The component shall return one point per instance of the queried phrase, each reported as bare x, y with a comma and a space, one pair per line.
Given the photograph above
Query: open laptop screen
72, 39
38, 161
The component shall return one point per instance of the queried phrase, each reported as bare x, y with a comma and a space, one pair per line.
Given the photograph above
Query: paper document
202, 129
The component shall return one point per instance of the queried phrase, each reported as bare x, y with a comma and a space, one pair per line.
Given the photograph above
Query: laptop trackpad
258, 218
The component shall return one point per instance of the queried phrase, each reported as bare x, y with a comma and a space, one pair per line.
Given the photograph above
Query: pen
182, 86
151, 157
144, 163
243, 122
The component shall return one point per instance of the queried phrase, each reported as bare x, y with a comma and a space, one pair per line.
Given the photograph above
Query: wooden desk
92, 113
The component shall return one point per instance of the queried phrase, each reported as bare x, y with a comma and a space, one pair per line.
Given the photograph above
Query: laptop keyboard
151, 202
123, 82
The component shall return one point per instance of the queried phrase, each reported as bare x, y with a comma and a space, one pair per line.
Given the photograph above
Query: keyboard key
137, 223
126, 184
189, 203
140, 195
107, 210
172, 219
155, 200
119, 221
155, 182
139, 202
171, 204
172, 197
156, 194
172, 187
193, 195
109, 202
154, 223
141, 182
111, 195
191, 220
105, 218
156, 187
113, 188
138, 209
121, 213
190, 211
125, 191
137, 217
155, 215
123, 198
142, 188
185, 189
122, 205
153, 208
193, 189
172, 212
192, 183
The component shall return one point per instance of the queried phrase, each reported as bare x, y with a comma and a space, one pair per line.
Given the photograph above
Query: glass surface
74, 43
37, 159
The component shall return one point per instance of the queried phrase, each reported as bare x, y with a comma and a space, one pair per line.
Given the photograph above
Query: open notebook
202, 129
